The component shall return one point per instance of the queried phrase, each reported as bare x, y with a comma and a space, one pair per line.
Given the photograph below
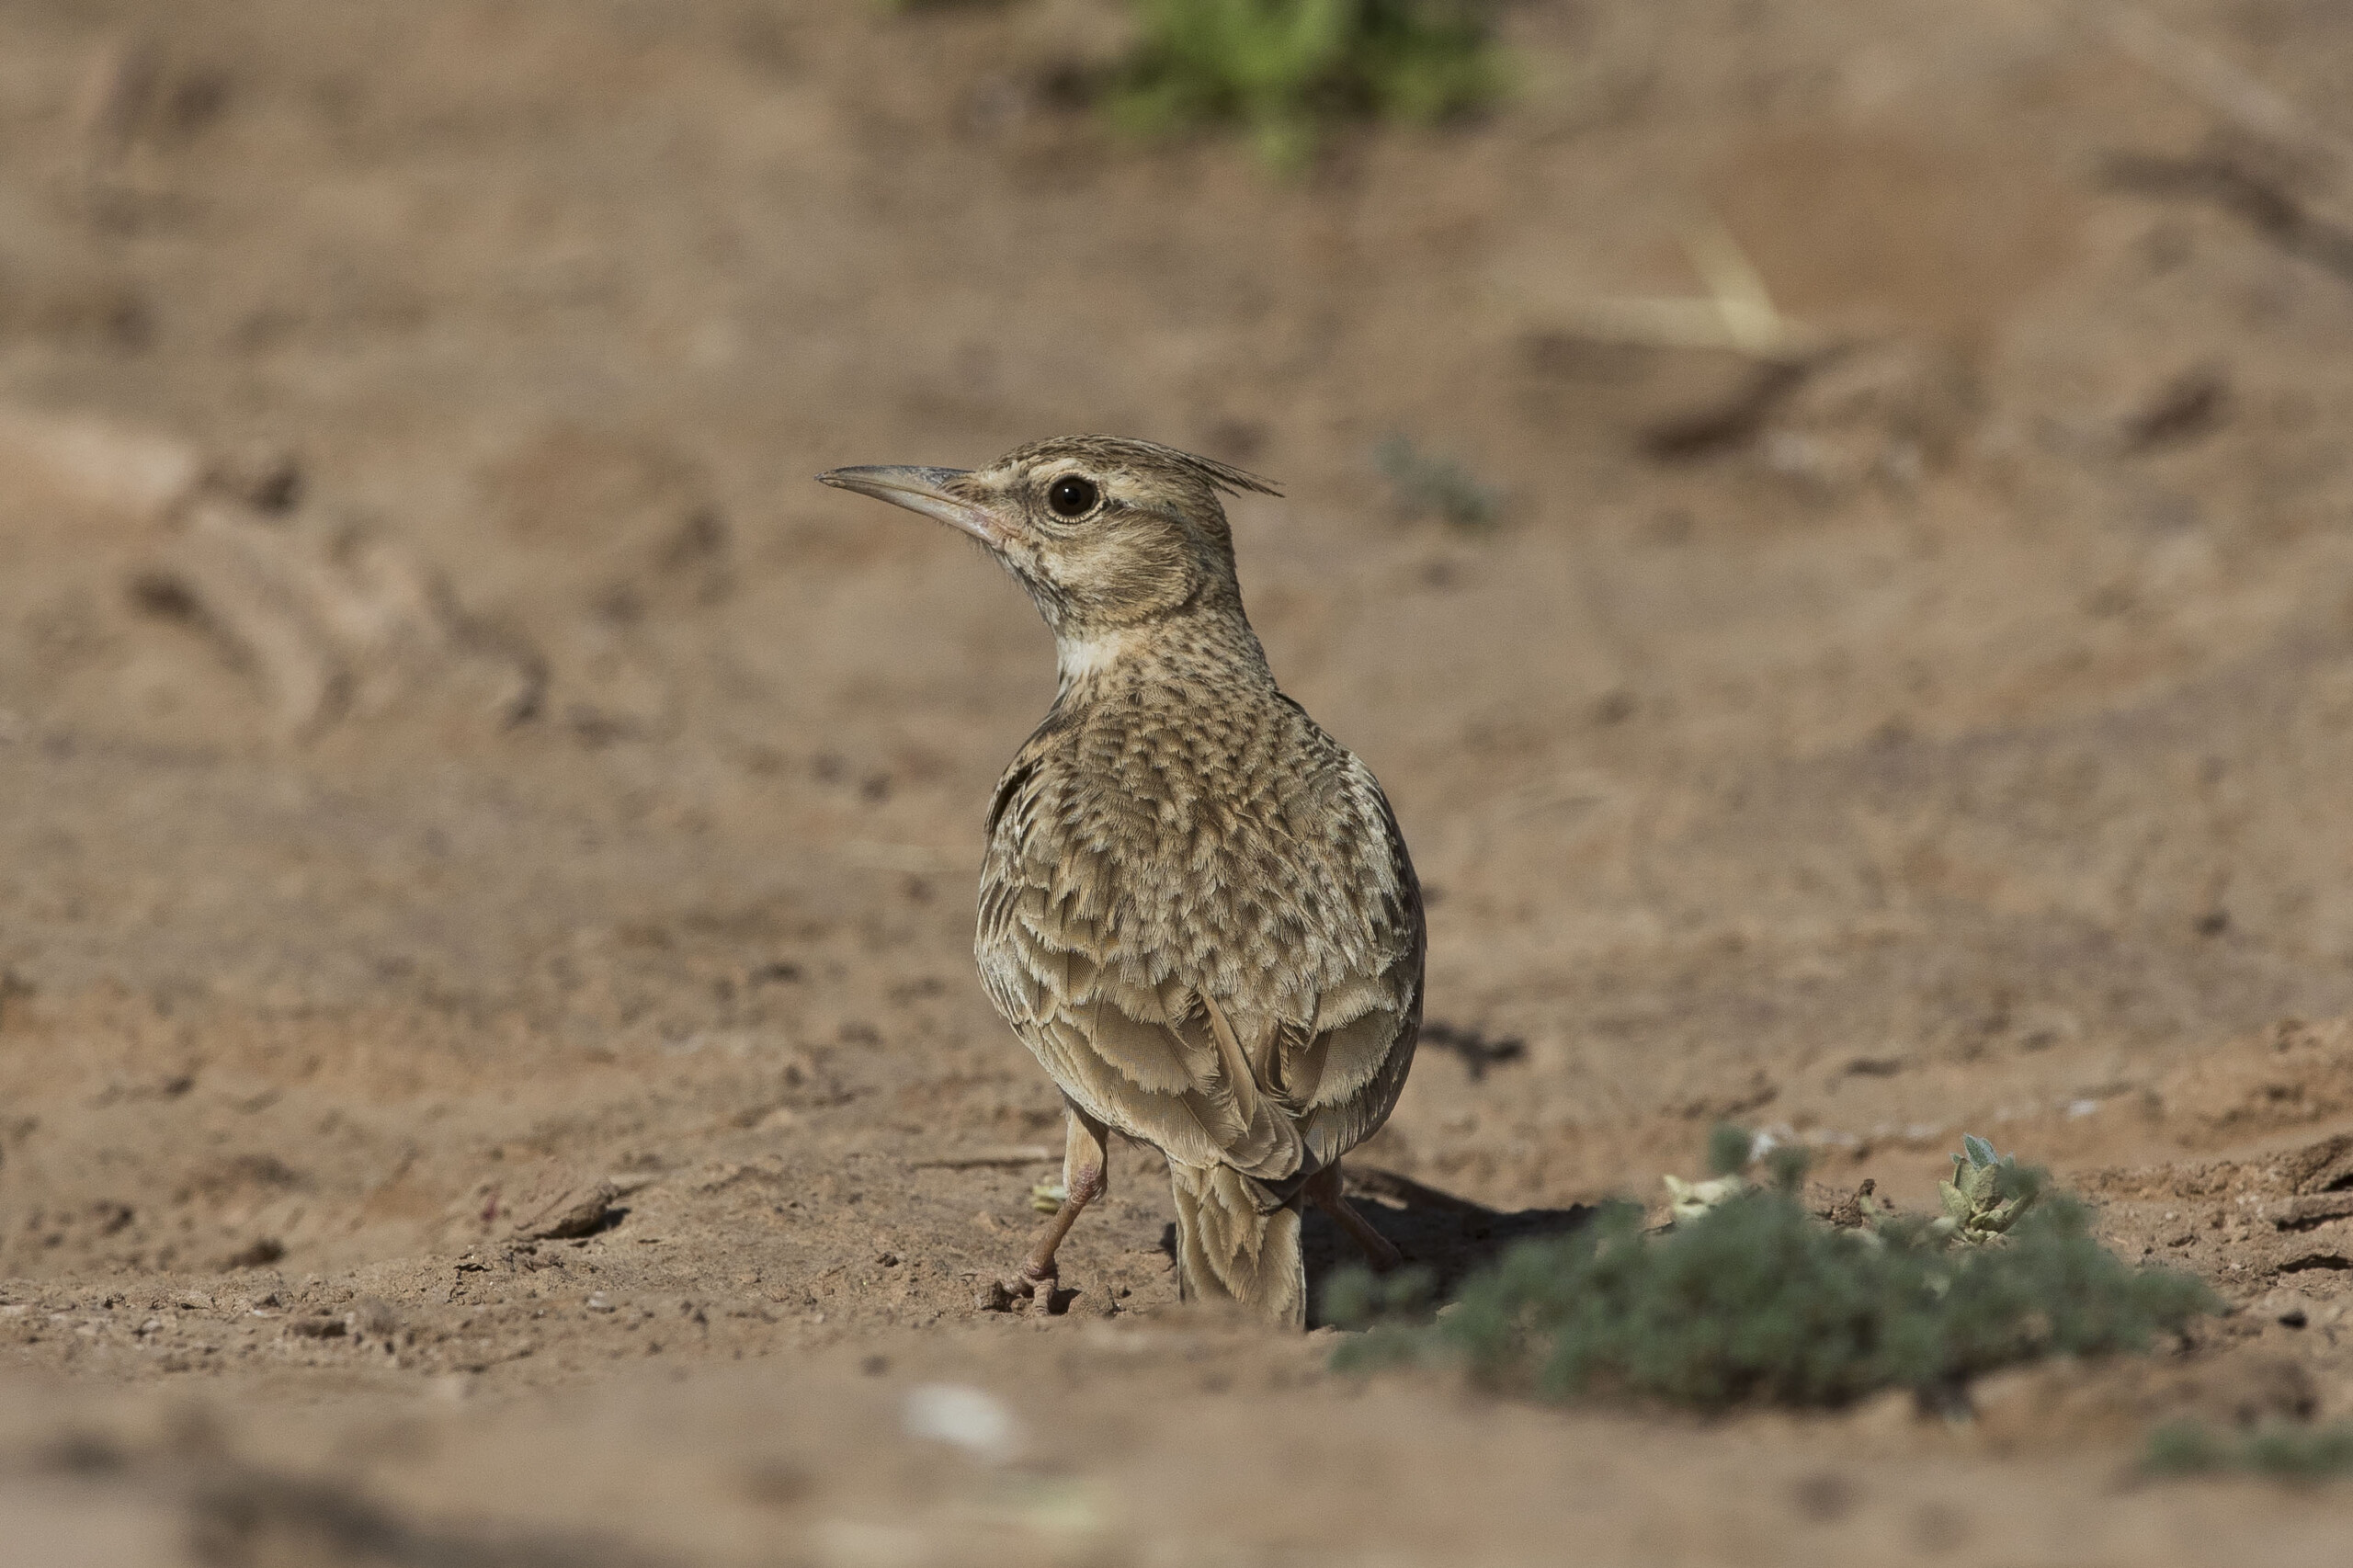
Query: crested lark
1197, 911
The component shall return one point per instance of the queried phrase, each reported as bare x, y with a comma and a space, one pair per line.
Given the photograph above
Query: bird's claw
1045, 1297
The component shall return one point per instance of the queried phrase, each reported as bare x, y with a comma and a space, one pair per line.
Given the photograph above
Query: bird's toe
1004, 1295
1041, 1291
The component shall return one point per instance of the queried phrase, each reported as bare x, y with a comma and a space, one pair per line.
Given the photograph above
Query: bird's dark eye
1073, 496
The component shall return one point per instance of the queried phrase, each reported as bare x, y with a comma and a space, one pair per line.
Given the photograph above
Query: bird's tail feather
1236, 1241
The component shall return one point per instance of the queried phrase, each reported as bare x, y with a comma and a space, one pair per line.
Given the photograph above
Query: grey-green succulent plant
1987, 1194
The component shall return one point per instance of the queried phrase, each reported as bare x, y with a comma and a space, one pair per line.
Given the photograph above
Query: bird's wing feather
1343, 1073
1144, 1057
1270, 1047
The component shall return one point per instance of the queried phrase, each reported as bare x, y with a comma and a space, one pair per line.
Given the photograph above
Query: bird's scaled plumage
1197, 910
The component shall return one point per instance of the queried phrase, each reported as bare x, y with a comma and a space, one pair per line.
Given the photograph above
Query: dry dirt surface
490, 1071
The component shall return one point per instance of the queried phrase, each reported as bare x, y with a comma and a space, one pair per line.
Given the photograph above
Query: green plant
1284, 68
1358, 1295
1731, 1150
1756, 1300
1425, 485
1987, 1195
2282, 1452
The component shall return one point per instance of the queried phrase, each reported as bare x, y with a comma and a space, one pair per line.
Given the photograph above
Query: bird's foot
1042, 1290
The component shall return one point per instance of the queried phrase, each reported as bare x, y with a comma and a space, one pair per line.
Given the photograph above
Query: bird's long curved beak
921, 489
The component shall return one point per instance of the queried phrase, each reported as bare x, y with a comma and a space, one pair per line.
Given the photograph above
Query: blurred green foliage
1426, 485
1285, 69
1755, 1298
2282, 1452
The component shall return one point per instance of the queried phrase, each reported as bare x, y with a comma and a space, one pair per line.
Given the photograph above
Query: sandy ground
461, 784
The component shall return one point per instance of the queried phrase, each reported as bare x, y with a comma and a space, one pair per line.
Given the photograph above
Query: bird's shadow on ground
1450, 1236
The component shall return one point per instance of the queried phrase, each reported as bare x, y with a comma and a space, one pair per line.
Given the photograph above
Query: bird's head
1108, 534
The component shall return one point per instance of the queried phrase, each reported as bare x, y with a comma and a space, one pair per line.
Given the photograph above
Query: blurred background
1832, 522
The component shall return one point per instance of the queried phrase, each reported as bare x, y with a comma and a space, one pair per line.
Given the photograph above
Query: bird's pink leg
1086, 1177
1323, 1189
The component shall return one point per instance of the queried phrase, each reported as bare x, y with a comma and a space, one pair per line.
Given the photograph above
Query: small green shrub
1285, 68
1425, 485
1754, 1299
1730, 1149
2281, 1452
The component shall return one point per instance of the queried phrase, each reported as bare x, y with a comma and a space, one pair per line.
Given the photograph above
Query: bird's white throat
1082, 658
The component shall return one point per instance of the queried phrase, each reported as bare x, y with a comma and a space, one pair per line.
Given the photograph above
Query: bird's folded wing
1339, 1063
1144, 1057
1343, 1078
1276, 1086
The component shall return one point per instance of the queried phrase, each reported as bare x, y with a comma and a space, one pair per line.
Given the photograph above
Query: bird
1196, 908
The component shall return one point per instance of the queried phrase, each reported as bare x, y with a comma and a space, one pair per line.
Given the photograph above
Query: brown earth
489, 1070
